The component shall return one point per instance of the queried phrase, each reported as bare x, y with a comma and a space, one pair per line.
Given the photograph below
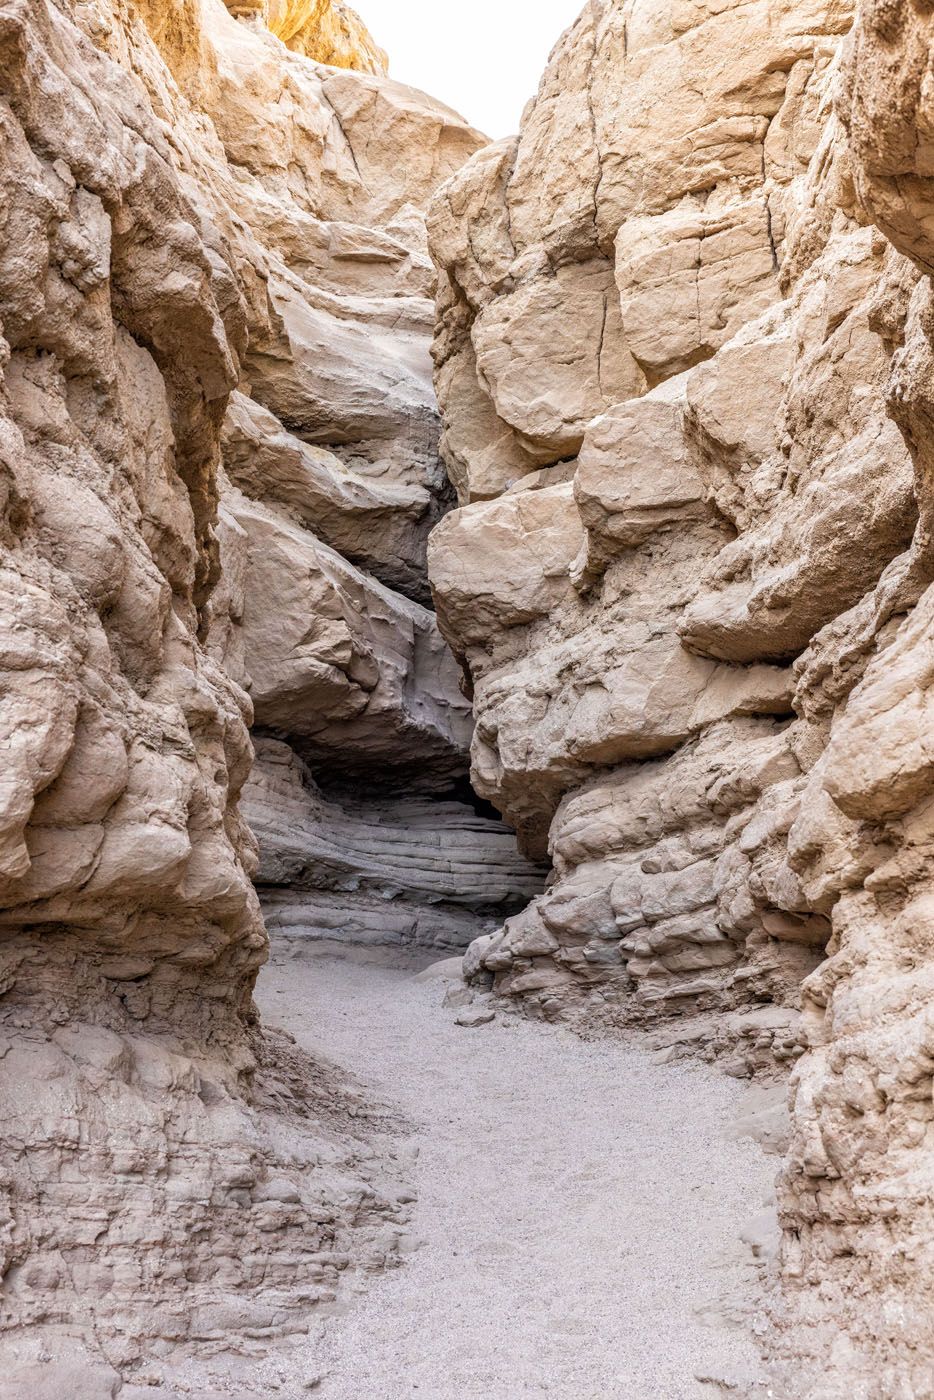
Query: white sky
484, 58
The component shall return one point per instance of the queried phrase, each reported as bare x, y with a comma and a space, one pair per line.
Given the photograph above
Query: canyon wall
683, 357
683, 353
326, 30
218, 471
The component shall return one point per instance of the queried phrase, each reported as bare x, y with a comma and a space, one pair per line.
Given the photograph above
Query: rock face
683, 356
572, 596
218, 470
384, 871
326, 30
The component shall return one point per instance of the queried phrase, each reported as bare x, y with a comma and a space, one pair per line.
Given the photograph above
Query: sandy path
579, 1205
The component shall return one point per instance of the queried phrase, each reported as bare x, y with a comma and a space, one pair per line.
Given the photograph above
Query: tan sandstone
700, 662
203, 230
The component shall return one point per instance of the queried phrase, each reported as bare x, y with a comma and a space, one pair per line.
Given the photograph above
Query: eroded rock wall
218, 470
326, 30
394, 871
857, 1187
683, 358
131, 933
572, 595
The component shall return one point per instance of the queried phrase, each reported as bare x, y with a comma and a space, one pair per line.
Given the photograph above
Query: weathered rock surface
382, 871
684, 360
690, 586
630, 230
326, 30
356, 674
200, 229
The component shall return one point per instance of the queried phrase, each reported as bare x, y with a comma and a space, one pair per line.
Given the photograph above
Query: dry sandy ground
576, 1233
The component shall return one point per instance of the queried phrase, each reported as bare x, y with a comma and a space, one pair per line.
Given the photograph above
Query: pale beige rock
635, 478
381, 526
683, 351
645, 899
567, 679
345, 379
626, 172
835, 502
483, 454
399, 872
765, 508
173, 1179
131, 1060
552, 356
504, 564
358, 675
690, 277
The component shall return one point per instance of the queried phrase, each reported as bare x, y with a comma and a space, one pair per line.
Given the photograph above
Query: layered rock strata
628, 720
212, 249
683, 353
683, 358
376, 870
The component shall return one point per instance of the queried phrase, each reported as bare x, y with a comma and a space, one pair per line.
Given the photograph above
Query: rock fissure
636, 738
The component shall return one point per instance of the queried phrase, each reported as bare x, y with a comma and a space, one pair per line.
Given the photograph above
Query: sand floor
579, 1206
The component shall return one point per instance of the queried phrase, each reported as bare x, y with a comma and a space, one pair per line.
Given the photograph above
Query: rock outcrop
387, 871
326, 30
218, 471
683, 358
684, 627
568, 582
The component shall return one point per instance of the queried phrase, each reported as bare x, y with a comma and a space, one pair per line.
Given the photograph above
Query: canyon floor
579, 1212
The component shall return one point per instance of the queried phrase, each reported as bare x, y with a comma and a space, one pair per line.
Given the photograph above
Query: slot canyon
466, 661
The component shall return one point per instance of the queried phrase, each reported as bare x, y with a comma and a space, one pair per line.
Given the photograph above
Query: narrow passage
579, 1205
